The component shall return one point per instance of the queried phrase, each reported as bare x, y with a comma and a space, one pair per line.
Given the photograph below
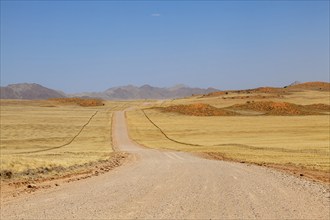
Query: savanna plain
287, 129
53, 139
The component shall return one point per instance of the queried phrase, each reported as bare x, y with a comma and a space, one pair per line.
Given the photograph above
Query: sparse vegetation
266, 107
79, 101
276, 139
41, 138
282, 108
198, 109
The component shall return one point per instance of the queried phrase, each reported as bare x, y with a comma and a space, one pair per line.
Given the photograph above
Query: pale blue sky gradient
80, 46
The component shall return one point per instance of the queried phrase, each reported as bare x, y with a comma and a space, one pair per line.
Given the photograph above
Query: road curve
175, 185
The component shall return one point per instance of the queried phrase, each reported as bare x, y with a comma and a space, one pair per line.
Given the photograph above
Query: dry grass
79, 101
259, 108
32, 126
275, 92
283, 108
198, 109
42, 136
299, 141
301, 97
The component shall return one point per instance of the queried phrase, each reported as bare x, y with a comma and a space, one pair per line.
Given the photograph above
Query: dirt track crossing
175, 185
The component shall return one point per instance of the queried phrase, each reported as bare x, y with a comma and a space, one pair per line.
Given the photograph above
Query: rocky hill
28, 91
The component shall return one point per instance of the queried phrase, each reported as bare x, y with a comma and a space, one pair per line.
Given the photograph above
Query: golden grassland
303, 97
50, 136
46, 136
301, 141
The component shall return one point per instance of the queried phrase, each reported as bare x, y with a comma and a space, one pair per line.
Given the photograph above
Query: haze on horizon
80, 46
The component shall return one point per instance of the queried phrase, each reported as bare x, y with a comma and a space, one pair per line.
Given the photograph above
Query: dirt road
175, 185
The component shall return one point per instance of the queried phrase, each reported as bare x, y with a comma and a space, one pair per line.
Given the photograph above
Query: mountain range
36, 91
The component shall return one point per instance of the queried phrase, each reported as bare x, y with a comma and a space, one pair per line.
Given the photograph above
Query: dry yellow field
304, 97
300, 141
49, 137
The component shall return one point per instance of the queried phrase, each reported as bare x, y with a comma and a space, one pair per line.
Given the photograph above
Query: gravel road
175, 185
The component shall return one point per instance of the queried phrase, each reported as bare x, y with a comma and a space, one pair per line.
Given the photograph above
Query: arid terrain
259, 153
284, 128
55, 137
174, 185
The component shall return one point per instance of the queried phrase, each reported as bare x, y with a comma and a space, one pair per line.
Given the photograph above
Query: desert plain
280, 130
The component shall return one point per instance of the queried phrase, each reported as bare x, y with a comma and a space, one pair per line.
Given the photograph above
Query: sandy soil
175, 185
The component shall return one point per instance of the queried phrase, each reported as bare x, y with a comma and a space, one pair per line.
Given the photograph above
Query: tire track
63, 145
244, 146
171, 139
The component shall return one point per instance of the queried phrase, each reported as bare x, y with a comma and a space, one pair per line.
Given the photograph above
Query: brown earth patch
319, 86
254, 97
320, 107
273, 91
79, 101
199, 109
215, 94
266, 90
280, 108
312, 174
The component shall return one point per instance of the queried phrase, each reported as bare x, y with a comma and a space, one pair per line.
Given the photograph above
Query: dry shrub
198, 109
80, 101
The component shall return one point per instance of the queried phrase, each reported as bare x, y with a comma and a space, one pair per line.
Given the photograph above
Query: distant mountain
147, 92
36, 91
28, 91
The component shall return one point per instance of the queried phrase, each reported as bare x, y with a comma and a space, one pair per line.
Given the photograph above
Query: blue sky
80, 46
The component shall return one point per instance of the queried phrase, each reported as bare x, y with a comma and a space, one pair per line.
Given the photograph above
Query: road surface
175, 185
